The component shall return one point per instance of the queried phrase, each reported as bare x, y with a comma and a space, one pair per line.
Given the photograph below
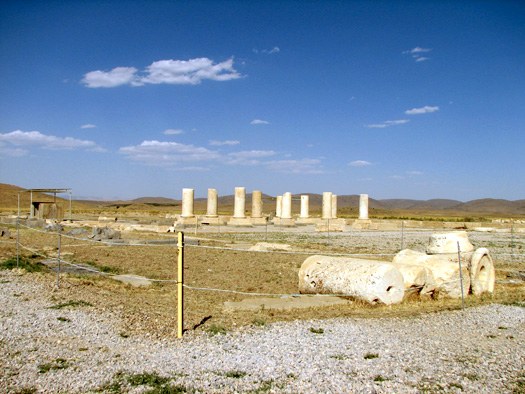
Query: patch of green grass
456, 386
168, 389
23, 263
316, 330
491, 336
265, 387
235, 374
339, 357
26, 390
519, 384
471, 376
71, 304
259, 322
146, 378
58, 363
379, 378
370, 356
502, 328
83, 349
216, 329
64, 319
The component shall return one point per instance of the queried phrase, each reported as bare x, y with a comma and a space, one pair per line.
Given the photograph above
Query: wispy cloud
222, 143
417, 53
161, 153
267, 51
423, 110
301, 166
88, 126
173, 131
359, 163
259, 121
414, 173
25, 139
387, 123
249, 157
177, 155
174, 72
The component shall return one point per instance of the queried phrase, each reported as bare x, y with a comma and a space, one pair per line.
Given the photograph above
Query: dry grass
153, 310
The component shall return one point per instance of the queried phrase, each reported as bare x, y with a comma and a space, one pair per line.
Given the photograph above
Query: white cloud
397, 177
37, 139
419, 50
302, 166
174, 72
417, 53
359, 163
387, 123
267, 51
161, 153
221, 143
173, 131
423, 110
116, 77
259, 121
414, 173
88, 126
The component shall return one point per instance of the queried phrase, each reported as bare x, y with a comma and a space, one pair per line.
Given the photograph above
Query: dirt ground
221, 261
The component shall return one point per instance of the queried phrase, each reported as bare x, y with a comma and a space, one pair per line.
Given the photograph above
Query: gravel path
80, 349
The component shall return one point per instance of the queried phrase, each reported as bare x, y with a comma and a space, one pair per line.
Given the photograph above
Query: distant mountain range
347, 203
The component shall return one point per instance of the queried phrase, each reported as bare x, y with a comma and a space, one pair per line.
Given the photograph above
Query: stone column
211, 210
279, 206
305, 201
363, 207
257, 204
327, 205
187, 203
287, 206
239, 203
334, 206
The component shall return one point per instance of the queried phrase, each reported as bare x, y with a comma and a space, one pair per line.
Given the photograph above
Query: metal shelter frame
54, 191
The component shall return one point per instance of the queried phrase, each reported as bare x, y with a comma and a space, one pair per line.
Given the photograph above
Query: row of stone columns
283, 205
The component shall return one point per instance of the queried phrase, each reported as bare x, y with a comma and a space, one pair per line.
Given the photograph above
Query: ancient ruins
449, 268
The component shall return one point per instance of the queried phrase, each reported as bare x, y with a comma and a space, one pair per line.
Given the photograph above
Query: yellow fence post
180, 284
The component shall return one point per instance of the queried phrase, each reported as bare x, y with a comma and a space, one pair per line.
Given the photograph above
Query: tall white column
327, 205
334, 206
286, 212
239, 203
256, 204
211, 210
305, 206
187, 203
279, 206
363, 206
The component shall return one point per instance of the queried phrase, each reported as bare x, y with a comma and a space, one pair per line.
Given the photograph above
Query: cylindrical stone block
327, 205
305, 206
286, 212
211, 210
187, 203
368, 280
239, 203
257, 204
363, 207
334, 206
278, 206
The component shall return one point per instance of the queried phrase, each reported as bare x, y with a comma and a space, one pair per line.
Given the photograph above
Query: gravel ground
80, 349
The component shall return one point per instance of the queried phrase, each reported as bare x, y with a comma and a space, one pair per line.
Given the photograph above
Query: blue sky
406, 99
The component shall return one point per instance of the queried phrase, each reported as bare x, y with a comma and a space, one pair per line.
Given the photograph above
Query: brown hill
347, 204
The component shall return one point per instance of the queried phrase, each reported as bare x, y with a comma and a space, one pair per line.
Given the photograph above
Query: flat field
220, 269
